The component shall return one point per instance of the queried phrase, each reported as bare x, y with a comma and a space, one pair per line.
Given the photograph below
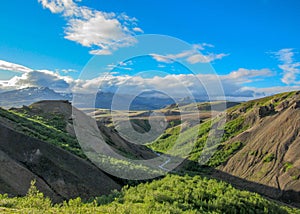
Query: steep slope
258, 149
58, 114
270, 145
35, 142
59, 174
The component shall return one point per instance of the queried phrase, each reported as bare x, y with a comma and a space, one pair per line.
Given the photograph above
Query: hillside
59, 174
258, 149
38, 142
271, 142
58, 114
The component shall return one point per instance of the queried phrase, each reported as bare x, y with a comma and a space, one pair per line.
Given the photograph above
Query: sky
250, 48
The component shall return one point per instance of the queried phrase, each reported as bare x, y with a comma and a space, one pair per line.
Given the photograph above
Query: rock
283, 105
266, 110
296, 104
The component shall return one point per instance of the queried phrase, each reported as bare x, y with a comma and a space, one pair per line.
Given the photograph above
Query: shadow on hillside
287, 196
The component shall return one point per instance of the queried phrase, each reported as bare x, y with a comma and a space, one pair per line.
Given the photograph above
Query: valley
255, 152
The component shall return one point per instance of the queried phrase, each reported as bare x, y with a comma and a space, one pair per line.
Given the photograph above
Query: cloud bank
232, 83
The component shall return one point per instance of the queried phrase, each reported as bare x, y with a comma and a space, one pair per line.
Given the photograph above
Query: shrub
287, 166
269, 157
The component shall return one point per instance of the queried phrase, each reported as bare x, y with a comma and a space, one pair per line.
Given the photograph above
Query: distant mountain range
27, 96
145, 101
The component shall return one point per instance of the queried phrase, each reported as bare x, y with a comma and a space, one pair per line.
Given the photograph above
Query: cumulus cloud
243, 75
8, 66
101, 31
191, 56
38, 78
196, 58
289, 66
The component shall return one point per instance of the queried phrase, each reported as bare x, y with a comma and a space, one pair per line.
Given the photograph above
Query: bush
34, 199
269, 157
172, 194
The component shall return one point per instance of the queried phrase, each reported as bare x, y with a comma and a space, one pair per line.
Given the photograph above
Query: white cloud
101, 52
137, 29
191, 56
243, 75
34, 78
66, 71
8, 66
58, 6
121, 65
196, 58
285, 55
160, 58
101, 31
274, 90
172, 84
290, 67
202, 46
39, 78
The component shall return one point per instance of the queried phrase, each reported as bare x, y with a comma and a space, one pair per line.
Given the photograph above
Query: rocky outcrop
266, 110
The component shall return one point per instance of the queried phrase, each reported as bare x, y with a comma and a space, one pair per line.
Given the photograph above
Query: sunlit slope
260, 143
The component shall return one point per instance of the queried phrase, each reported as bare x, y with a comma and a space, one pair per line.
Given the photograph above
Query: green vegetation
274, 100
166, 141
223, 153
200, 141
269, 157
294, 173
287, 166
253, 153
38, 129
233, 128
122, 166
54, 120
172, 194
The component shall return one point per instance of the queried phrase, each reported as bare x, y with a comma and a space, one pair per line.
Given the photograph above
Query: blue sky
254, 44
